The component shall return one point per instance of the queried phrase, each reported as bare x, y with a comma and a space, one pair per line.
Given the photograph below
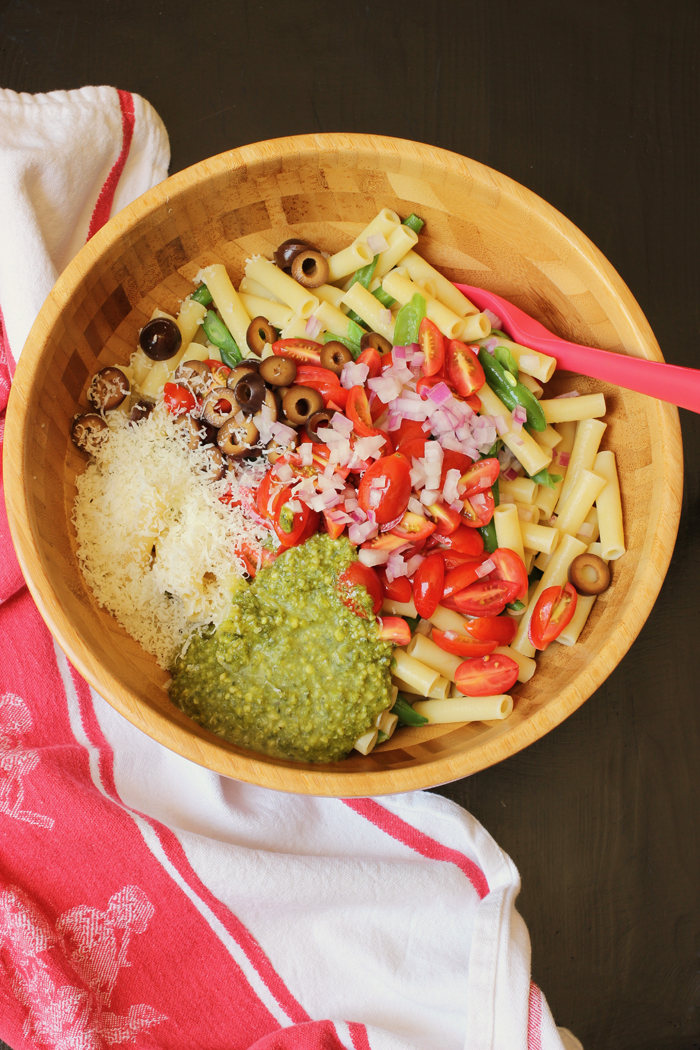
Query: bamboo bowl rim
248, 766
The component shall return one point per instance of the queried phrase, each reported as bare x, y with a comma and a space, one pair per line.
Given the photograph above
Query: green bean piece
488, 535
516, 606
414, 223
494, 450
353, 347
384, 297
406, 715
352, 316
412, 622
365, 274
404, 324
511, 396
382, 736
202, 295
498, 334
543, 477
505, 357
496, 494
218, 334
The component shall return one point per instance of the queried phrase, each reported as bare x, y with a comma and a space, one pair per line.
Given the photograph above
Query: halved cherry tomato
303, 351
386, 541
250, 556
292, 528
335, 397
413, 449
398, 590
357, 411
428, 581
462, 540
446, 519
426, 384
478, 509
480, 476
408, 430
178, 399
463, 368
412, 528
452, 460
462, 645
459, 578
509, 566
262, 498
487, 675
474, 402
315, 373
394, 629
373, 359
359, 575
485, 598
333, 528
219, 372
553, 611
432, 345
394, 473
453, 559
499, 629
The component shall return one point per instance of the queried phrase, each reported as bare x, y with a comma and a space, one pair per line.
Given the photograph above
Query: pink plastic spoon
680, 386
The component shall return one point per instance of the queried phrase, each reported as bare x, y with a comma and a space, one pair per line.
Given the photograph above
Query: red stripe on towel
103, 207
534, 1018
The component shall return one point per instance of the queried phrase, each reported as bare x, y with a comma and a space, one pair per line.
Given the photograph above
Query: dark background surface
594, 106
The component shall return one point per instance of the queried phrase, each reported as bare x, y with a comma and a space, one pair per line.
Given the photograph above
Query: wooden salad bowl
481, 229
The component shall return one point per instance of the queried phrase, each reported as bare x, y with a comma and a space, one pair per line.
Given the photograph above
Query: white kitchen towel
146, 901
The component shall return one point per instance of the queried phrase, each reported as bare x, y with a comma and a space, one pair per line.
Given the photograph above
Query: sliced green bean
408, 321
218, 334
496, 494
511, 396
405, 713
365, 274
543, 477
356, 319
384, 297
504, 356
488, 535
202, 295
414, 223
382, 736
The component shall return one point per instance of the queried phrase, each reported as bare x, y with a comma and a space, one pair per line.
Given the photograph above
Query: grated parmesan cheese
155, 543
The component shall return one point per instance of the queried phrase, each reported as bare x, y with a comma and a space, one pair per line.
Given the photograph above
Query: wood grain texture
594, 107
479, 226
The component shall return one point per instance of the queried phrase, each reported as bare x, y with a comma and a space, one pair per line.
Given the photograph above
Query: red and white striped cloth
147, 902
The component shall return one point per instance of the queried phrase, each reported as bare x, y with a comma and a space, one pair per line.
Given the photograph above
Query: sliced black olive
310, 268
278, 371
160, 339
141, 410
589, 574
377, 341
300, 403
237, 373
260, 333
89, 431
196, 430
317, 423
194, 374
215, 465
234, 438
275, 449
273, 403
219, 406
108, 389
284, 256
335, 356
250, 392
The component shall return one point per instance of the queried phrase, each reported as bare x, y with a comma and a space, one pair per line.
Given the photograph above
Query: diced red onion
496, 322
385, 316
490, 344
395, 566
564, 458
510, 474
516, 426
284, 472
353, 375
357, 534
358, 515
457, 505
399, 353
369, 556
429, 496
387, 388
282, 433
351, 504
485, 568
416, 507
478, 500
378, 483
501, 425
519, 414
370, 446
341, 424
450, 491
313, 327
295, 506
569, 393
376, 243
413, 563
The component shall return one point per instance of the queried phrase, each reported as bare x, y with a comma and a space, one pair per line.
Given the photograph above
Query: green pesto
293, 672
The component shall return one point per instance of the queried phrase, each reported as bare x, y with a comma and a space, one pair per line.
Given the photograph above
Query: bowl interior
481, 229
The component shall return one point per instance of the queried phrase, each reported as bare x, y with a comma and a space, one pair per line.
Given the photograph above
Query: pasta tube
402, 289
400, 240
555, 575
519, 490
448, 620
465, 709
348, 260
507, 525
438, 691
281, 284
525, 449
531, 385
399, 608
609, 505
547, 498
276, 313
570, 634
583, 495
334, 320
548, 438
425, 650
526, 665
531, 513
369, 309
421, 271
565, 409
385, 222
589, 433
296, 329
328, 293
533, 363
538, 537
367, 741
228, 303
250, 287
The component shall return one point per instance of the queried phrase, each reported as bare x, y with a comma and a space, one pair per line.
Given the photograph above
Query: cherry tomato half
408, 430
500, 629
478, 509
394, 474
373, 359
359, 575
452, 460
480, 476
509, 566
292, 527
463, 368
453, 559
462, 645
487, 675
178, 399
446, 519
428, 581
485, 598
303, 351
432, 345
459, 578
394, 629
462, 541
317, 374
357, 411
333, 528
553, 611
412, 527
398, 590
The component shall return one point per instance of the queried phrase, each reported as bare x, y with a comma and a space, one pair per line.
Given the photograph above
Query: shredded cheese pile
155, 543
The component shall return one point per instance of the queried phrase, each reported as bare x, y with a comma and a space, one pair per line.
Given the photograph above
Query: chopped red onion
485, 568
501, 425
351, 504
370, 446
385, 316
353, 375
510, 474
369, 556
294, 505
377, 243
496, 322
457, 505
429, 496
395, 566
413, 563
450, 489
283, 471
416, 507
357, 534
478, 500
519, 414
282, 433
569, 393
490, 344
341, 424
564, 458
313, 327
387, 388
378, 483
399, 353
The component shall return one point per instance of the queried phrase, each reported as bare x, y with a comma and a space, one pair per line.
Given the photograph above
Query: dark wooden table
594, 106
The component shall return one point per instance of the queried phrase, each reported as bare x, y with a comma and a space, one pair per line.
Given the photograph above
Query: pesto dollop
292, 672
